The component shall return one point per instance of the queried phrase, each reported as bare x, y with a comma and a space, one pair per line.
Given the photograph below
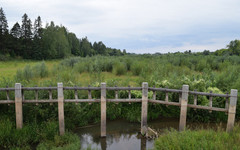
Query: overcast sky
139, 26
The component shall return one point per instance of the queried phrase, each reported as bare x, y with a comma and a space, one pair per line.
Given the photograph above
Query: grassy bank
43, 136
199, 140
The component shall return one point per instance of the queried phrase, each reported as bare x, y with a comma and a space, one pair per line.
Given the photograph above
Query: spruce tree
37, 39
26, 27
37, 28
3, 33
16, 30
3, 23
26, 36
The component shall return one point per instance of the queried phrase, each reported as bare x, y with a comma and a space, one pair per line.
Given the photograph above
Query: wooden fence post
61, 108
18, 105
183, 111
103, 109
232, 110
144, 107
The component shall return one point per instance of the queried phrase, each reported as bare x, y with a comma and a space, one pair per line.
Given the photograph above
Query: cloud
137, 24
211, 45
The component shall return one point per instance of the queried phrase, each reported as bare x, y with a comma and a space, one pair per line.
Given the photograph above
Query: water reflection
124, 135
143, 143
120, 135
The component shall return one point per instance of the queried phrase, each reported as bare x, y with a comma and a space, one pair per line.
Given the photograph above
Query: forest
32, 41
37, 56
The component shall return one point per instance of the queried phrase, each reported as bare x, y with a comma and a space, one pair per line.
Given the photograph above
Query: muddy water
123, 135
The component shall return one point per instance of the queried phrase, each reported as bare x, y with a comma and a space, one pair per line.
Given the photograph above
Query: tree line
32, 41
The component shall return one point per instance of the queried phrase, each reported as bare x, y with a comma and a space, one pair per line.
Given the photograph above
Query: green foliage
234, 47
199, 139
132, 112
51, 42
70, 62
119, 68
27, 72
50, 129
39, 70
55, 42
137, 68
96, 64
219, 74
168, 70
81, 67
19, 75
45, 133
3, 22
66, 142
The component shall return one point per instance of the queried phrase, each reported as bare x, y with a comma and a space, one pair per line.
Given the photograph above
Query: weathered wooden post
195, 99
89, 95
144, 107
210, 101
183, 111
18, 105
232, 110
103, 109
61, 109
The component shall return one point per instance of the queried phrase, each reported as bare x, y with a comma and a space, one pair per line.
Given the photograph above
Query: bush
136, 68
27, 73
10, 137
108, 65
19, 75
40, 70
70, 62
128, 62
81, 67
4, 57
119, 68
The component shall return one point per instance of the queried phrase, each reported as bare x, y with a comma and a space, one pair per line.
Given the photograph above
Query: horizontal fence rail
184, 93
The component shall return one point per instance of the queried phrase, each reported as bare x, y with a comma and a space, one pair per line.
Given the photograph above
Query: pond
122, 134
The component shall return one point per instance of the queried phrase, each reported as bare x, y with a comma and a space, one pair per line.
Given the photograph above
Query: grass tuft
199, 139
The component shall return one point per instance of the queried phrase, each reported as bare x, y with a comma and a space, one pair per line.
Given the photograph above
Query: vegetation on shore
199, 139
43, 136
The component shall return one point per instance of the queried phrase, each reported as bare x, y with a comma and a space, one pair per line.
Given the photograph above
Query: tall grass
199, 140
27, 72
44, 135
39, 70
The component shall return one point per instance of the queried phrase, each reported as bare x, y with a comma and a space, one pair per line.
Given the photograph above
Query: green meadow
204, 73
199, 139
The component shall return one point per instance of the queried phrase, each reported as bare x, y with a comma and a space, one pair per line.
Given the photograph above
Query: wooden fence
230, 108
